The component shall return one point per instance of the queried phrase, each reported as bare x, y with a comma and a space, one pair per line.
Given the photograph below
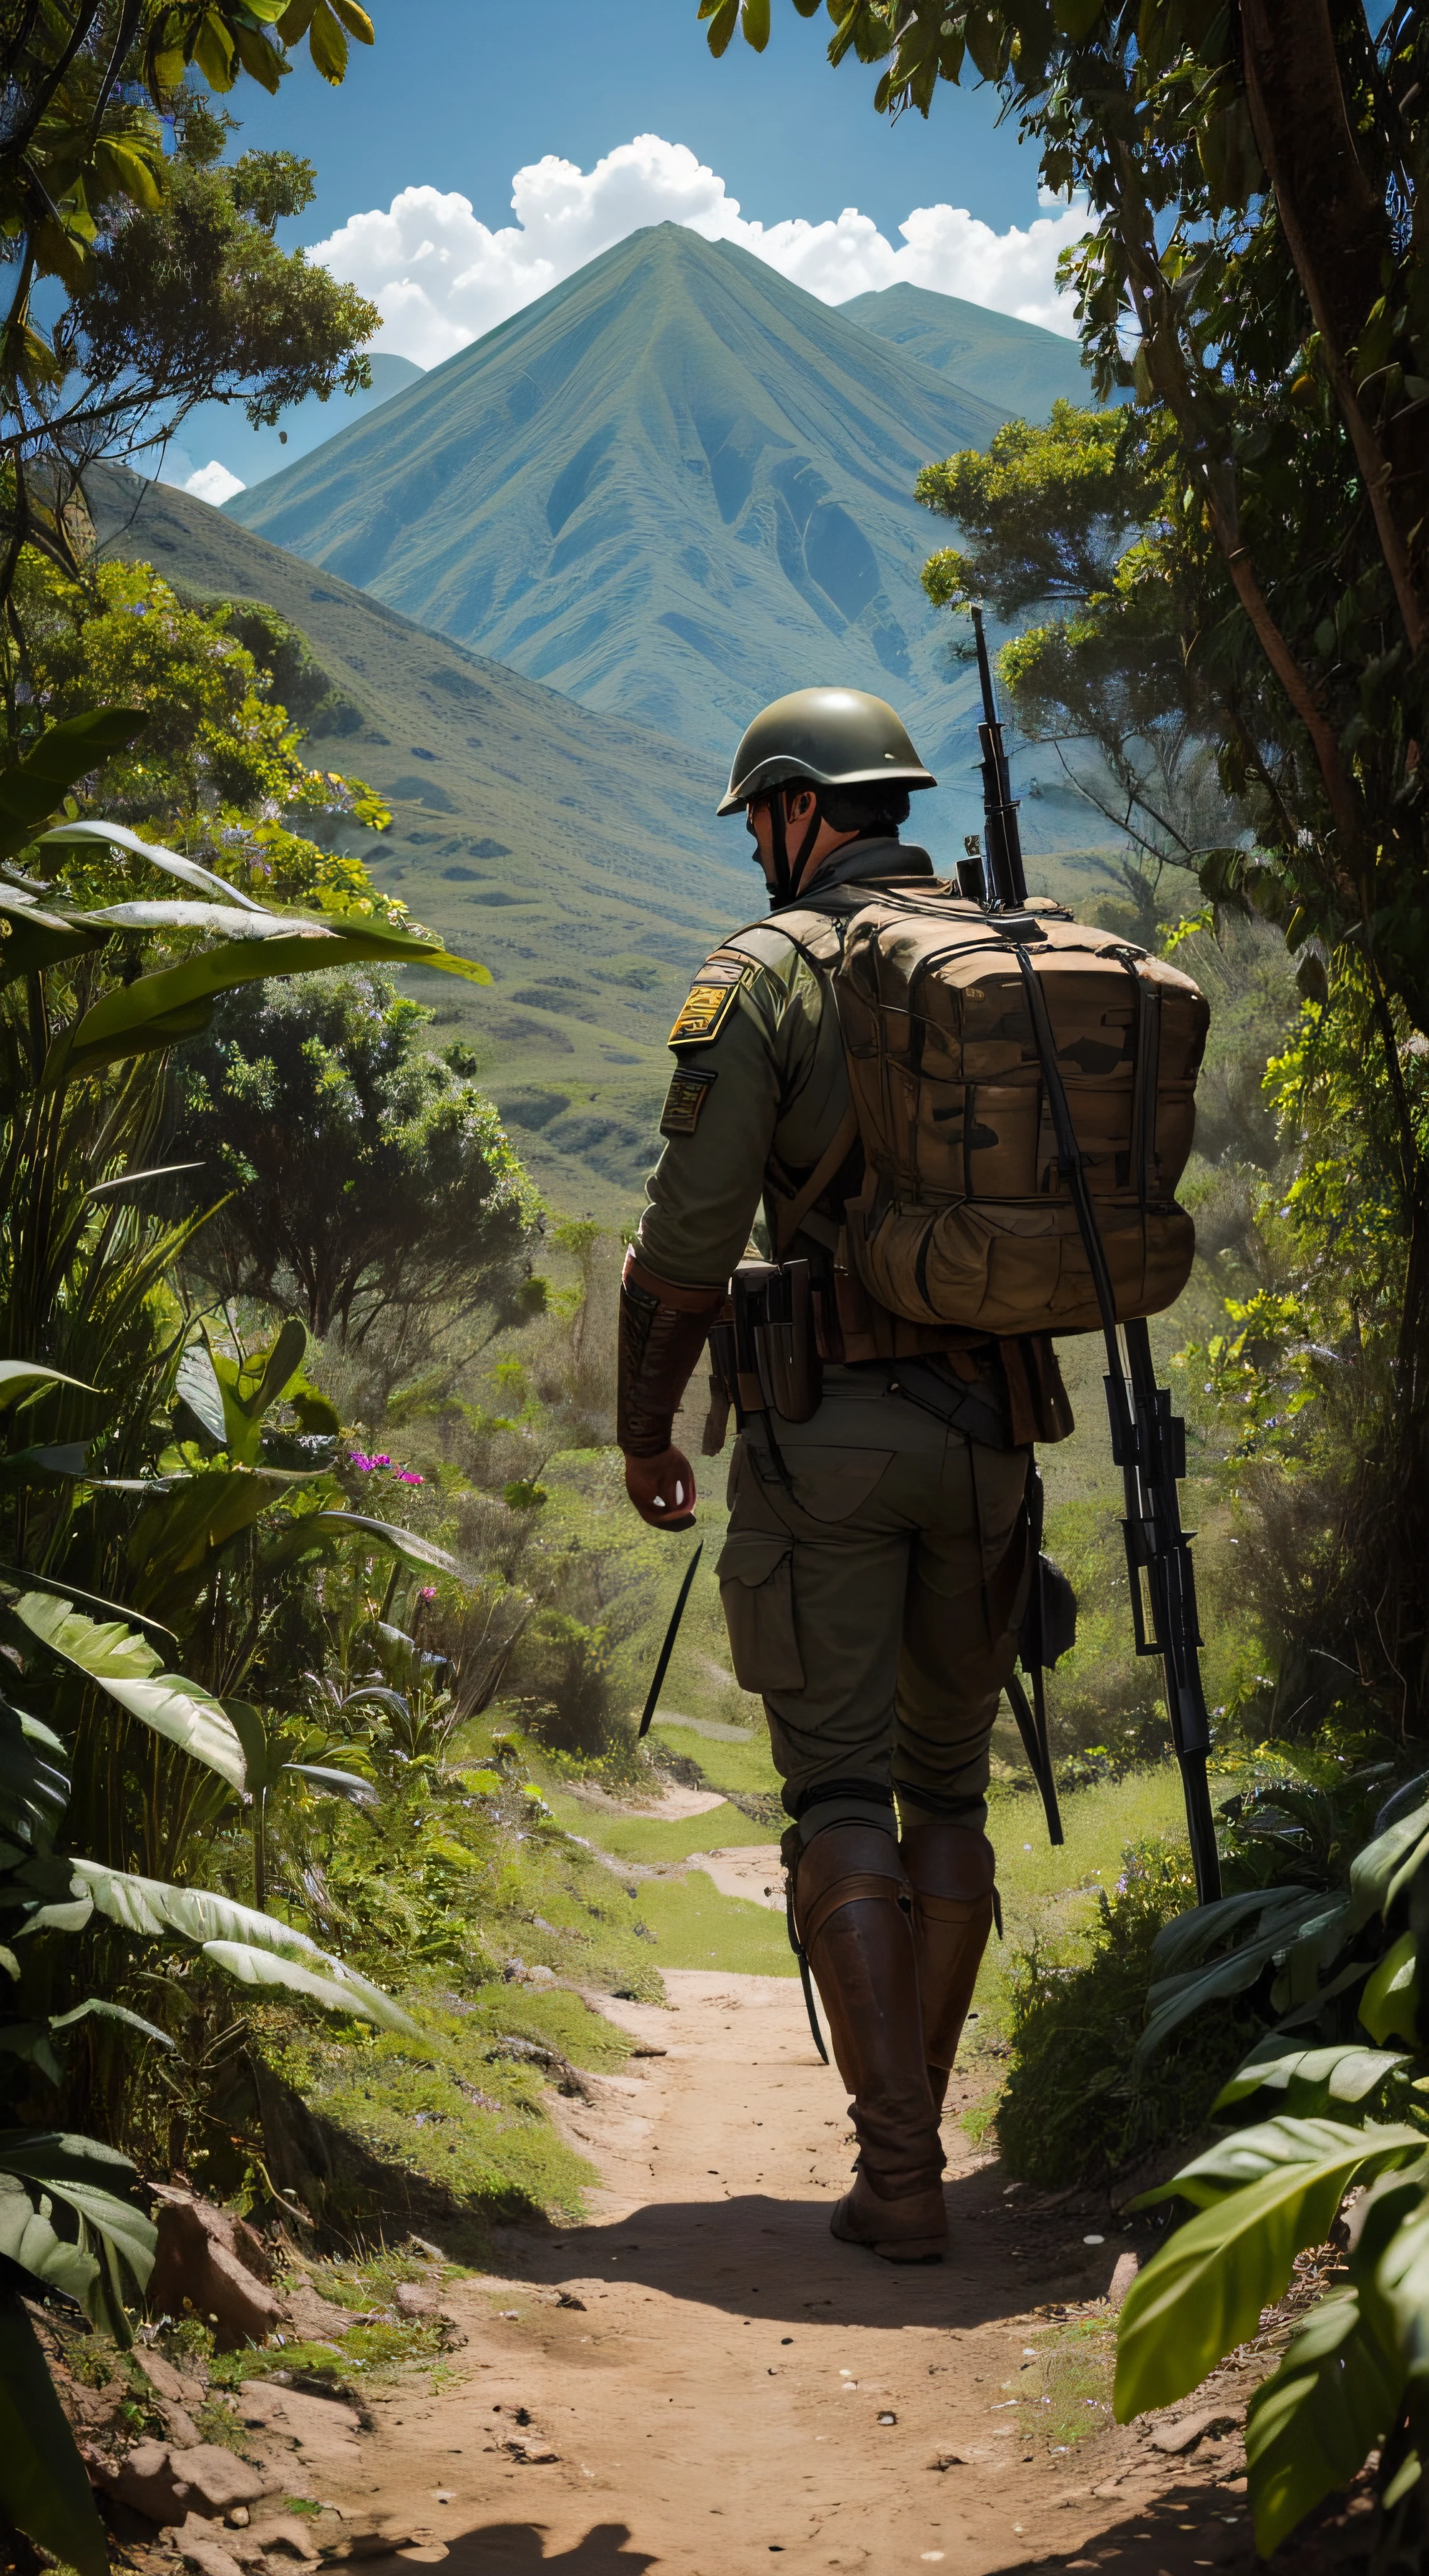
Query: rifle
1148, 1441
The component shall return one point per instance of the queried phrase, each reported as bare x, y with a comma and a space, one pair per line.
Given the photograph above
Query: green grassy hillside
576, 854
1015, 365
674, 487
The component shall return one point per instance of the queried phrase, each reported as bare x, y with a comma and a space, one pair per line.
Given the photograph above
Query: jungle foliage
115, 206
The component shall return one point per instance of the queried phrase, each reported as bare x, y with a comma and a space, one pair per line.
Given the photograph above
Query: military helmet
832, 737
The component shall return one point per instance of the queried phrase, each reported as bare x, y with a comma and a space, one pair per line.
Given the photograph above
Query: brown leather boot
950, 1870
849, 1906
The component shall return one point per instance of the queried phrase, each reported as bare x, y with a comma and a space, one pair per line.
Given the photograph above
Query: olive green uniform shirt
765, 1088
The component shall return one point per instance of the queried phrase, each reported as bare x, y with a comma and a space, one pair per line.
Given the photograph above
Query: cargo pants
873, 1579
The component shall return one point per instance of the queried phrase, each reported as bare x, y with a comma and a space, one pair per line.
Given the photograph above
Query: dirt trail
700, 2378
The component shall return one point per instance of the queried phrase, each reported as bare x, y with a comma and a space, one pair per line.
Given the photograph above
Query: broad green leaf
1189, 1938
44, 2489
1389, 2005
1203, 2293
1248, 2155
177, 1001
262, 1754
326, 1529
34, 1792
1310, 2425
31, 791
172, 862
60, 1465
1373, 1869
355, 20
147, 1905
96, 2182
25, 1579
122, 1663
1076, 18
1308, 2079
195, 1382
111, 2012
327, 44
1175, 1999
249, 1386
21, 1379
334, 1784
265, 1968
153, 912
754, 24
28, 2237
181, 1529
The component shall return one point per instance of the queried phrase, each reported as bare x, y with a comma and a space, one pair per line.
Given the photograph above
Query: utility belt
765, 1359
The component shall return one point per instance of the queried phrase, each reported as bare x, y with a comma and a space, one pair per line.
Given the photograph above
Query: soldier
876, 1566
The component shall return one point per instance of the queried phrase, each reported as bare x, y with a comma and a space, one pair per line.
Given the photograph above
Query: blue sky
607, 120
458, 94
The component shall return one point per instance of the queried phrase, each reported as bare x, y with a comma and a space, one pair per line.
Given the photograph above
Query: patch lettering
684, 1100
709, 1003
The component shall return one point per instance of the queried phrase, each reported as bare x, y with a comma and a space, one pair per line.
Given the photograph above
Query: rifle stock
1148, 1440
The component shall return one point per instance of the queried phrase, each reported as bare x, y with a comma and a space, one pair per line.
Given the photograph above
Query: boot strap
859, 1886
951, 1909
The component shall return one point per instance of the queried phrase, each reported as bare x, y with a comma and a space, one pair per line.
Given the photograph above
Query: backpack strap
794, 1210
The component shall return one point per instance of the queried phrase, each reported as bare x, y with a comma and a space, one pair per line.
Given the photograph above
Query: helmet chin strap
787, 870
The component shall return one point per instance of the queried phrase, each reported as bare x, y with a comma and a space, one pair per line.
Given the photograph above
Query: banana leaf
172, 862
325, 1527
148, 1906
22, 1379
25, 1579
177, 1001
123, 1664
30, 792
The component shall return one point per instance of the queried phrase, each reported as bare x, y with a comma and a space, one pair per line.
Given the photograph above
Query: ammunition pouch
764, 1351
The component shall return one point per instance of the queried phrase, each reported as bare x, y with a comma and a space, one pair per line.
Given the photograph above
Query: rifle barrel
1002, 837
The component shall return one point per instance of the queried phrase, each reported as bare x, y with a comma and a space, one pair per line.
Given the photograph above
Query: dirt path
700, 2378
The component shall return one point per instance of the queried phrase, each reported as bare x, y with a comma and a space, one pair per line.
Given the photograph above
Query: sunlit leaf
1203, 2292
1310, 2425
172, 862
123, 1664
148, 1906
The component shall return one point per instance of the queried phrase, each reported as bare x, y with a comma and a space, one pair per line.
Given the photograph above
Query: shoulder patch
684, 1100
710, 1000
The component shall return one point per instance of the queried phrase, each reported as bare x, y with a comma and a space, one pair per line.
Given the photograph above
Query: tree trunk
1337, 232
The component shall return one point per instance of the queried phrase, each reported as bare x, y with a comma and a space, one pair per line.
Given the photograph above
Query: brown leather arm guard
662, 1333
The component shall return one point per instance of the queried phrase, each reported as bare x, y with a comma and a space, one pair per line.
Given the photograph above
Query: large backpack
971, 1039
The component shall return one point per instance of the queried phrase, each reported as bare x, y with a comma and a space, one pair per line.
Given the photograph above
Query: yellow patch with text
710, 1000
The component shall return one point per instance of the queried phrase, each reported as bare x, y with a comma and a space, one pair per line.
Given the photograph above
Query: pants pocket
756, 1585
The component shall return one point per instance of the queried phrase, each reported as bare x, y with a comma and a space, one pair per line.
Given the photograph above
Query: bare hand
662, 1489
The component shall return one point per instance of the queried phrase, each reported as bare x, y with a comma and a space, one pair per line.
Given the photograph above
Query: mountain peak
675, 487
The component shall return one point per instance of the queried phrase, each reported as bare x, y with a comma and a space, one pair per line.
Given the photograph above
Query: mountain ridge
674, 487
1018, 365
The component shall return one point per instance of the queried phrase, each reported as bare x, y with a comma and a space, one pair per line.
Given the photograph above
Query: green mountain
219, 433
576, 854
674, 488
1017, 366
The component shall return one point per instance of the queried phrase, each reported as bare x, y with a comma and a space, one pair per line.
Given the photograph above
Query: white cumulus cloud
441, 278
213, 482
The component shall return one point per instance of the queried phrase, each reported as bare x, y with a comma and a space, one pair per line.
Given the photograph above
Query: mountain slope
674, 488
576, 855
1016, 365
219, 433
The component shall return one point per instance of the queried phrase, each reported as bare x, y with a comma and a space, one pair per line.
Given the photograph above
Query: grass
697, 1927
651, 1841
1064, 2385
